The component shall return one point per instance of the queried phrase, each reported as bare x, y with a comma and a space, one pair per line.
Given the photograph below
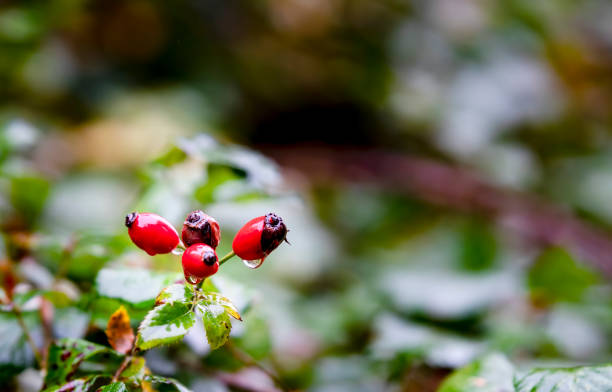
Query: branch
247, 360
46, 318
121, 368
244, 380
441, 184
26, 332
126, 361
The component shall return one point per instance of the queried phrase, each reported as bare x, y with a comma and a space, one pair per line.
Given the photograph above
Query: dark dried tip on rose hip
194, 218
273, 234
209, 258
200, 228
130, 218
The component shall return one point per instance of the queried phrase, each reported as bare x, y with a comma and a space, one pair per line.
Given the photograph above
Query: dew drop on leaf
253, 264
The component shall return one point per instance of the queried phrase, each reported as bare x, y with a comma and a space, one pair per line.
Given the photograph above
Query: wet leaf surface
138, 287
85, 384
492, 373
136, 370
216, 323
587, 378
177, 292
165, 324
14, 349
66, 355
114, 387
167, 381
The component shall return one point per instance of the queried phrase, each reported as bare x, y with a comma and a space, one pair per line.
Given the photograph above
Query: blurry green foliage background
112, 106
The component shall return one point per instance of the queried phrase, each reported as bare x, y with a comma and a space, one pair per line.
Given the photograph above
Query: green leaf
136, 370
587, 378
138, 287
21, 298
70, 322
88, 252
556, 276
216, 310
492, 373
208, 286
217, 176
14, 348
102, 308
57, 298
178, 292
478, 246
165, 324
217, 284
28, 196
216, 323
172, 157
168, 381
261, 172
65, 357
255, 339
114, 387
84, 384
218, 299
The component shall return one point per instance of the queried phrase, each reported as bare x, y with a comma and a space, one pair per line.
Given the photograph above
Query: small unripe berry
199, 261
259, 237
151, 233
200, 228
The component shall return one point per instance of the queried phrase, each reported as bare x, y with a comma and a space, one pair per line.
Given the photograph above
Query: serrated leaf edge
226, 303
141, 344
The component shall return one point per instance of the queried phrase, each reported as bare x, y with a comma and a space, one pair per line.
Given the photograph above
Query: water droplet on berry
192, 279
252, 264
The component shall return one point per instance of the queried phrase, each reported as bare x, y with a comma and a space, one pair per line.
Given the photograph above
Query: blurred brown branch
534, 219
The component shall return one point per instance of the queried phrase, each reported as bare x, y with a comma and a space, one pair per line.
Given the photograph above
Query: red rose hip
151, 233
200, 228
259, 237
199, 261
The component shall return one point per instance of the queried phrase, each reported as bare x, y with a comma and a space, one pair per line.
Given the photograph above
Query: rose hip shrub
82, 319
155, 235
170, 291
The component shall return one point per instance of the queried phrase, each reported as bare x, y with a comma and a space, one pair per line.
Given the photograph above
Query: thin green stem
26, 332
223, 260
64, 263
198, 287
180, 248
196, 297
226, 257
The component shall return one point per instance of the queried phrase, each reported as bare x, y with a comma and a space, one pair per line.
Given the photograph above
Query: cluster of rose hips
201, 235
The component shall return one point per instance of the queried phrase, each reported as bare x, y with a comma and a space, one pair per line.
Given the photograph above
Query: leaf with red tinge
66, 356
84, 384
167, 381
119, 331
114, 387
